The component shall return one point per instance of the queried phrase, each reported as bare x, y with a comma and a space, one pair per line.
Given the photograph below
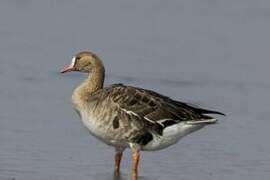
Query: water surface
211, 53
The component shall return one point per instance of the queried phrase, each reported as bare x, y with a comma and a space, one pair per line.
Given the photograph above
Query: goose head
84, 62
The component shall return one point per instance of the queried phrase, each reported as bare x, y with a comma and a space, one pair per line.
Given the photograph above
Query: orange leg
135, 163
117, 162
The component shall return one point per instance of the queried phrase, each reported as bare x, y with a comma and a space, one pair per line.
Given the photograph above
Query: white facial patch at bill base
73, 61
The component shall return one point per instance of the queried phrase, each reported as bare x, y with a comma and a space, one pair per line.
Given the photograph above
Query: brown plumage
126, 116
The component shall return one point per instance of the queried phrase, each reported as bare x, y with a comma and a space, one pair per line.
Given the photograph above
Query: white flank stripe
202, 121
130, 112
135, 114
149, 119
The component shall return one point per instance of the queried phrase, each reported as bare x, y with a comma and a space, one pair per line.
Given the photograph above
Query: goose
124, 116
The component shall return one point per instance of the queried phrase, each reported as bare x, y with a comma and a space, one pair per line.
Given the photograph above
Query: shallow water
211, 53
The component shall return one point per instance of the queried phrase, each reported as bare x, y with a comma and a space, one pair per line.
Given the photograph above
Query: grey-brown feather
134, 115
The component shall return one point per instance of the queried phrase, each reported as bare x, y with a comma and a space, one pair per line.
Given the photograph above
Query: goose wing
153, 109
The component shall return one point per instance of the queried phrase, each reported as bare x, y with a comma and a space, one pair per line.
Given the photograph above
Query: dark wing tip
219, 113
204, 111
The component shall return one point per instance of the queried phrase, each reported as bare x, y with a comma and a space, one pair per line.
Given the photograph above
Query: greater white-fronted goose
130, 117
